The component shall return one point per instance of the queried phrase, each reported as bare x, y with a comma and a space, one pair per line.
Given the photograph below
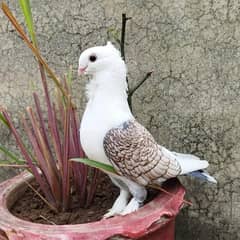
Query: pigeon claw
111, 213
132, 206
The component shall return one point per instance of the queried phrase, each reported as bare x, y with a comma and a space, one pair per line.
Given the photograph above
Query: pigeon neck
108, 99
110, 85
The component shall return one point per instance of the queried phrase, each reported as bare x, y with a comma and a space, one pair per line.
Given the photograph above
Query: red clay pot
153, 221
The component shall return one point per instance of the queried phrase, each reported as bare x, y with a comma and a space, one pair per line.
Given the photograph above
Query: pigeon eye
92, 58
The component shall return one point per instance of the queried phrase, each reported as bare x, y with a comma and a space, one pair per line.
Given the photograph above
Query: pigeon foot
132, 206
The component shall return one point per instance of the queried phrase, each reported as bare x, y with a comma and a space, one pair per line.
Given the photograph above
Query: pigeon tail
202, 174
188, 163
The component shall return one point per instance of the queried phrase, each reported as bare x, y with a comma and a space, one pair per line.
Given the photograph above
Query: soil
31, 207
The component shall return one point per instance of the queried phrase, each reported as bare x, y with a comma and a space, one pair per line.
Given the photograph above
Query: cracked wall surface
190, 104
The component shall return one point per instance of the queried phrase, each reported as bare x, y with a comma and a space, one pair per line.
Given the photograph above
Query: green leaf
95, 164
13, 158
114, 33
3, 120
26, 9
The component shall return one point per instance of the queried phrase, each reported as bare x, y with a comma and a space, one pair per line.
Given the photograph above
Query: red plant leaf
48, 165
43, 184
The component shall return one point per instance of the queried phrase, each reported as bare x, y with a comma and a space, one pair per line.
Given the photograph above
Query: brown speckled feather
135, 154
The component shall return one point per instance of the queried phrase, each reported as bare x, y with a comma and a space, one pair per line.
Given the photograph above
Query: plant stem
133, 90
122, 43
122, 48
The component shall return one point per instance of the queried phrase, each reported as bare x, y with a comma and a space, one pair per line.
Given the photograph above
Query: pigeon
110, 134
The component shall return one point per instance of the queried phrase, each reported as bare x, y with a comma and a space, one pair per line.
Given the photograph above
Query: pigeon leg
139, 194
122, 200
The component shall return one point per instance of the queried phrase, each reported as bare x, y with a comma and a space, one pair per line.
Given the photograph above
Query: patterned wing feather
135, 154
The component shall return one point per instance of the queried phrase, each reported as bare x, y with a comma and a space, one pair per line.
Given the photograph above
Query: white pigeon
110, 134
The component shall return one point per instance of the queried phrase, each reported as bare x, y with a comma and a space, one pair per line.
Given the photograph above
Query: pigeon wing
135, 154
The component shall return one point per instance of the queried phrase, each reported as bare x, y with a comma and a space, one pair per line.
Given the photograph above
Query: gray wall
190, 104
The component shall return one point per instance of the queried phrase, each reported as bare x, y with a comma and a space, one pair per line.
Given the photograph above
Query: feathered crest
111, 46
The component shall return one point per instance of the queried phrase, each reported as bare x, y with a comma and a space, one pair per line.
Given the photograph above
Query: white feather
188, 162
209, 178
107, 108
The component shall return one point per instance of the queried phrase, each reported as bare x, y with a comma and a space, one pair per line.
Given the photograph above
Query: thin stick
122, 49
123, 32
14, 165
131, 92
170, 194
44, 218
44, 200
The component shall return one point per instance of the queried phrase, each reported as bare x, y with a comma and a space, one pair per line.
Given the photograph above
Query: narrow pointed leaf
52, 121
80, 170
74, 134
41, 120
35, 51
66, 167
40, 162
12, 156
3, 120
44, 157
26, 9
95, 164
28, 158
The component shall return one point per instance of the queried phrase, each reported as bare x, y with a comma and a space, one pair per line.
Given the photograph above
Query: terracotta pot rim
131, 225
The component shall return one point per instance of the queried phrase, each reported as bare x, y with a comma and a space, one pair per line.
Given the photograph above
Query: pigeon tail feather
188, 163
204, 175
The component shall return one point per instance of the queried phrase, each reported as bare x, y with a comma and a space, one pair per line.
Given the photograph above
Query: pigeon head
101, 59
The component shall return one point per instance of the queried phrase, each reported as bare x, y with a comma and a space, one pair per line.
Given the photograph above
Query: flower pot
155, 220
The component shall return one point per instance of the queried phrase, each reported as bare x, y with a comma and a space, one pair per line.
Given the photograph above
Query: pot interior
17, 190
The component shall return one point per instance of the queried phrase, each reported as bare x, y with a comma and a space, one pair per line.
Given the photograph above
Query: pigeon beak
81, 70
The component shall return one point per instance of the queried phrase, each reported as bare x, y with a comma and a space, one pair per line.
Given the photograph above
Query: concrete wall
190, 104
